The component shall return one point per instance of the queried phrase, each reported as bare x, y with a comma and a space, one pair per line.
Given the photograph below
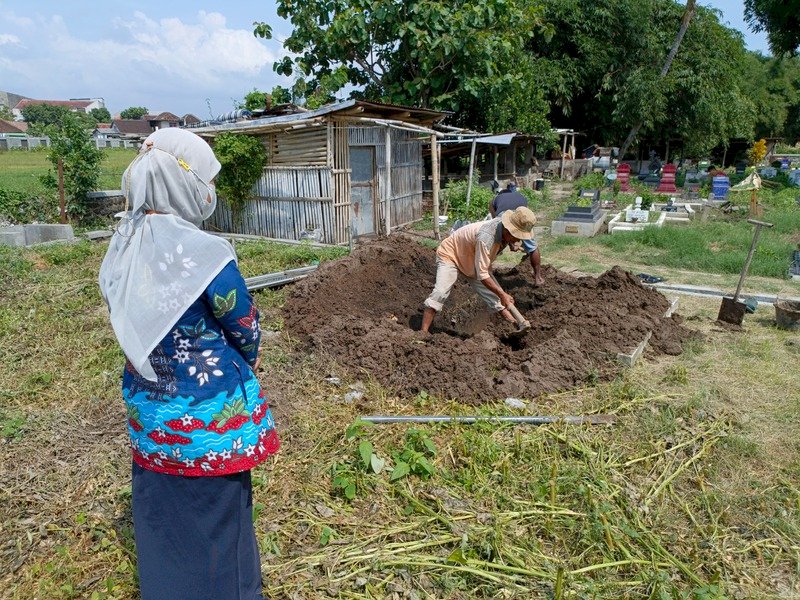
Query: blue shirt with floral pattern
206, 413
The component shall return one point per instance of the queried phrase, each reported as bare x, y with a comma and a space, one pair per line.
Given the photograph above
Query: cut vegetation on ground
694, 493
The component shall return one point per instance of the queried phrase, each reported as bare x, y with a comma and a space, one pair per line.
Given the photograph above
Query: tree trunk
687, 16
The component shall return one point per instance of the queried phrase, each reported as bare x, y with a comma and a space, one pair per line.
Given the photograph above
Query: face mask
211, 202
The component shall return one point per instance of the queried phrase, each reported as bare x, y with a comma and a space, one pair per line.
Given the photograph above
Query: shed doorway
363, 188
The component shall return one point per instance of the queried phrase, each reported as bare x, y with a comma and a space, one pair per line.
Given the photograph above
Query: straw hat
519, 222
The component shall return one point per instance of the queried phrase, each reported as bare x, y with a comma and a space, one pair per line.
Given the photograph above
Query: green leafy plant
455, 198
25, 207
349, 477
414, 457
243, 158
73, 145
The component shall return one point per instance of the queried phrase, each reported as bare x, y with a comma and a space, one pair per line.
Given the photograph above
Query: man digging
509, 199
470, 251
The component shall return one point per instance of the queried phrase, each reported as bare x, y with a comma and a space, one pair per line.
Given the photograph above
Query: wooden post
471, 169
563, 152
496, 158
435, 185
724, 156
666, 153
388, 186
61, 200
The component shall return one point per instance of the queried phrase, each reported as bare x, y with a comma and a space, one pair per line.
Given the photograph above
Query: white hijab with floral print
157, 265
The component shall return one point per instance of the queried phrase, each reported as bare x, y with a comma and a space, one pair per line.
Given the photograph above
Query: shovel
731, 310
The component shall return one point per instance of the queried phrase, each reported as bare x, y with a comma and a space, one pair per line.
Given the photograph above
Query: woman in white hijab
197, 417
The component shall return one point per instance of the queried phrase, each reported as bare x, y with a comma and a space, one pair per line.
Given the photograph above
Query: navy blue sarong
194, 537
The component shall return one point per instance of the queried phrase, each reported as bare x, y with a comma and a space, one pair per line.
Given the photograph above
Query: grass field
693, 494
20, 170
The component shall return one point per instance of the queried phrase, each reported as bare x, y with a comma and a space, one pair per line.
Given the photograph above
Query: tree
39, 116
72, 143
5, 113
133, 112
780, 19
101, 115
434, 54
687, 17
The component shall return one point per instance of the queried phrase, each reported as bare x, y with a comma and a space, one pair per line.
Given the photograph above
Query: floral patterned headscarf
158, 264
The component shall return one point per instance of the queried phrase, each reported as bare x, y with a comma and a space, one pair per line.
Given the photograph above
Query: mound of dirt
365, 311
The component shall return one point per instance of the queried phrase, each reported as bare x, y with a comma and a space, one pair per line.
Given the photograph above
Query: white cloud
8, 38
135, 57
206, 50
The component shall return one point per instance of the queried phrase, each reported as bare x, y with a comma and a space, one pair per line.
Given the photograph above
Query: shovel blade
732, 312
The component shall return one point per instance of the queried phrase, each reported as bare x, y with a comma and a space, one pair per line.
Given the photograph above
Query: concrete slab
13, 235
38, 234
100, 234
630, 359
576, 228
28, 235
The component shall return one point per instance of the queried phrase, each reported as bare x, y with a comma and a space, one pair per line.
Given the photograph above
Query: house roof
190, 119
72, 104
132, 126
356, 109
13, 126
164, 116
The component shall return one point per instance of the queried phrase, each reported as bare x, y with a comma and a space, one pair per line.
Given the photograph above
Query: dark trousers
195, 538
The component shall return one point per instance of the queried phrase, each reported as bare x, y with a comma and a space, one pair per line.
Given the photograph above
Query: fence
31, 143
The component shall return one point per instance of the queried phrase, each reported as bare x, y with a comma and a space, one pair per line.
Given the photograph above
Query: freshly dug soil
365, 312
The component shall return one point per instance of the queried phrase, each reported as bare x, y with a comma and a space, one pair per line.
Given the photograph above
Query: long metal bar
541, 420
278, 278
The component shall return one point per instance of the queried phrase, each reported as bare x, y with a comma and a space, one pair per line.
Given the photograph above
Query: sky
168, 55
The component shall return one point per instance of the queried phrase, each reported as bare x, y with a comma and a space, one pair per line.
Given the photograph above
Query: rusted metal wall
306, 183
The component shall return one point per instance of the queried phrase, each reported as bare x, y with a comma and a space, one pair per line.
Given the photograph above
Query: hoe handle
759, 225
517, 315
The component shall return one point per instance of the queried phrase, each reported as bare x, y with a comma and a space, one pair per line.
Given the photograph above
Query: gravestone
667, 183
583, 221
624, 177
769, 172
637, 214
741, 166
784, 164
720, 184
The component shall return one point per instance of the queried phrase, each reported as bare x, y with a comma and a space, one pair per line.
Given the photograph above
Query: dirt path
364, 311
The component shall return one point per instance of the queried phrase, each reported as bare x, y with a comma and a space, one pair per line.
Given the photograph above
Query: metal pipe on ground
525, 420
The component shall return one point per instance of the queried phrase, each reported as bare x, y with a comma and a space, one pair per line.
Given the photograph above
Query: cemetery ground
694, 492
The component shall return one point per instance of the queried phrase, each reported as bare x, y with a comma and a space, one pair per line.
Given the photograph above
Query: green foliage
714, 246
12, 423
349, 478
101, 115
432, 54
5, 113
454, 197
779, 19
281, 95
73, 144
39, 116
256, 100
22, 207
414, 457
536, 200
243, 158
133, 112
